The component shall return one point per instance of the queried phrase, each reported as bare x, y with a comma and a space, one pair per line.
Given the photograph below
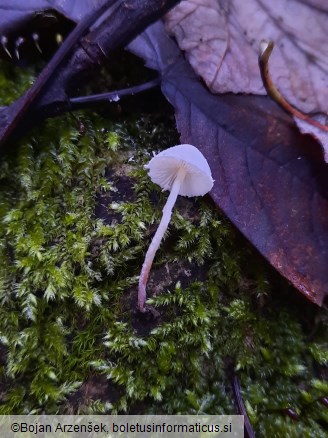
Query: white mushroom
183, 170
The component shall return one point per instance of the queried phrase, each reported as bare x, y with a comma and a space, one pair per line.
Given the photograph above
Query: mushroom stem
162, 227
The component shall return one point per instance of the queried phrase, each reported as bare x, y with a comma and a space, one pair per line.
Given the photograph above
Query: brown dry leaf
320, 135
221, 39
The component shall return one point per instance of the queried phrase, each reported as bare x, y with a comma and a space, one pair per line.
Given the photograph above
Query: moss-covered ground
77, 213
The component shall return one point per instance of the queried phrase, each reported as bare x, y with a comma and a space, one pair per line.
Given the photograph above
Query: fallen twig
112, 96
242, 410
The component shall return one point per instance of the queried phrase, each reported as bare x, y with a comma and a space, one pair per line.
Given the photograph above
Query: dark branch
113, 96
242, 410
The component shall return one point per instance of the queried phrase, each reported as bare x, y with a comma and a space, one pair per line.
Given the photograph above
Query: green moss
72, 241
13, 82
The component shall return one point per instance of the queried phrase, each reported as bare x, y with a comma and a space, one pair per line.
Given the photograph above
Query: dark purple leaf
15, 13
76, 10
269, 179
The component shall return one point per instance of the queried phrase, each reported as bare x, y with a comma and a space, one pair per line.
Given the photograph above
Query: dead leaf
320, 135
221, 40
30, 28
76, 10
269, 179
15, 13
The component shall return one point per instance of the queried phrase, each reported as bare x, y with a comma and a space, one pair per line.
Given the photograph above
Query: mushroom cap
164, 167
